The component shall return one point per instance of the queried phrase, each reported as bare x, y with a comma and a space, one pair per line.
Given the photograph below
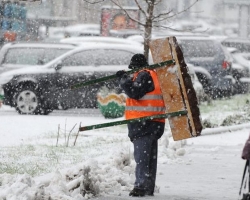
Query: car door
89, 65
74, 69
108, 62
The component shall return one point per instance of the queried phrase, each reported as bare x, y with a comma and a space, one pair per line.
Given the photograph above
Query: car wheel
28, 101
239, 87
231, 92
46, 111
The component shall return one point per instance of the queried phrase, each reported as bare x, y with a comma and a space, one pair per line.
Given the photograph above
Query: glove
120, 73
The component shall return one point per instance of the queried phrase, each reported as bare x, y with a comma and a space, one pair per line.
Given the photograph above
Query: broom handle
161, 116
106, 78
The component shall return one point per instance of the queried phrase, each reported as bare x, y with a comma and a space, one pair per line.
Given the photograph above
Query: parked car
240, 69
209, 54
243, 58
93, 39
242, 45
199, 90
41, 89
56, 33
26, 54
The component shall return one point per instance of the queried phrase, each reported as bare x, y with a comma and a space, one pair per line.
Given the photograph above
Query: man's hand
120, 73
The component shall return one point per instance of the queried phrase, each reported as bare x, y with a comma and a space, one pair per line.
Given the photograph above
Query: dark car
209, 54
241, 44
41, 89
240, 69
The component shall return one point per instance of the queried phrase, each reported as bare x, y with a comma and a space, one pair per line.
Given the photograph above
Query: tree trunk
148, 28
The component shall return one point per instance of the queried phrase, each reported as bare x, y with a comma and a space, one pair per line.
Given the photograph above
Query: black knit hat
138, 60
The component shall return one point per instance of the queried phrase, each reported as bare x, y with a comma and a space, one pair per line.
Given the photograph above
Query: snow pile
100, 177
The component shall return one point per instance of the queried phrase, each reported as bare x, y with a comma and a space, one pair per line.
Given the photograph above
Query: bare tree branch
183, 30
168, 17
173, 29
77, 134
162, 14
67, 144
150, 19
129, 16
186, 8
140, 8
156, 3
161, 19
57, 135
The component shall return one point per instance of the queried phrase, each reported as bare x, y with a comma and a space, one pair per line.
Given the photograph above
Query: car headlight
5, 79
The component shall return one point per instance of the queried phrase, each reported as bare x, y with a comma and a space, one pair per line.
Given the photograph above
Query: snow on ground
39, 162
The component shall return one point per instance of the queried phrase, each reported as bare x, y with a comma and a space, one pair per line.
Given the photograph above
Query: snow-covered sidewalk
207, 167
211, 169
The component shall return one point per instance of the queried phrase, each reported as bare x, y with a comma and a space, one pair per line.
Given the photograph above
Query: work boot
137, 193
149, 193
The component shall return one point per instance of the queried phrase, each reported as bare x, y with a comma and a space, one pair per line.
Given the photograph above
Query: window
112, 57
199, 48
97, 57
52, 53
23, 56
79, 59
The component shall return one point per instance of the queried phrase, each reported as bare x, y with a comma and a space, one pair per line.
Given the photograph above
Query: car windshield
52, 53
199, 48
98, 57
32, 56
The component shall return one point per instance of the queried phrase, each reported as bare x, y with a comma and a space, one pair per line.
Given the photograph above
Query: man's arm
139, 87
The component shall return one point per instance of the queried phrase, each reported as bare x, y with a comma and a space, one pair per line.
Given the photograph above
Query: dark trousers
145, 154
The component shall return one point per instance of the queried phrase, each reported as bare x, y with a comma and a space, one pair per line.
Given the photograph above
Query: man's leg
152, 167
142, 154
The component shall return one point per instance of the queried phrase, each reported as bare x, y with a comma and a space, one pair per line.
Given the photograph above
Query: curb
217, 130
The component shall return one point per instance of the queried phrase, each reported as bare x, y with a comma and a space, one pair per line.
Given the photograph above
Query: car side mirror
58, 66
40, 62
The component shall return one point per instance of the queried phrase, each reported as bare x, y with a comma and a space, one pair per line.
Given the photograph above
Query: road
6, 110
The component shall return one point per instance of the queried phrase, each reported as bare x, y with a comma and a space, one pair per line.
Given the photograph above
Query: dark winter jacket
137, 89
246, 150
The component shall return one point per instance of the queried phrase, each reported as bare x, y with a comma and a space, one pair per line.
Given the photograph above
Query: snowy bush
235, 119
206, 123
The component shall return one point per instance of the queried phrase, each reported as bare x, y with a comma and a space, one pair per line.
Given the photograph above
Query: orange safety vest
150, 104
